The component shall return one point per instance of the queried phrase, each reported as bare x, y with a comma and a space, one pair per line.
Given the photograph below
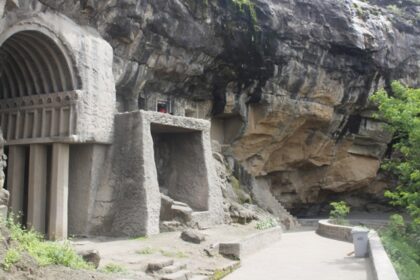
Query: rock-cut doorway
181, 171
37, 95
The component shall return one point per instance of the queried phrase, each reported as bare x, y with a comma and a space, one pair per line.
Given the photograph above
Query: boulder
91, 256
4, 197
192, 236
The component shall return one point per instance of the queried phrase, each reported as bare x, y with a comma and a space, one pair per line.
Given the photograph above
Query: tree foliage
401, 110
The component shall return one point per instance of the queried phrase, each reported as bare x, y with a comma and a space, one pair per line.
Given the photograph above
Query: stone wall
88, 169
383, 268
339, 232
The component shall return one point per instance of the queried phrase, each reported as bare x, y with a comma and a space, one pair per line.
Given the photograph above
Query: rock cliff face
288, 81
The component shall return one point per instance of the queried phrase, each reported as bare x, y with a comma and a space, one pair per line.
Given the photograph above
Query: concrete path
303, 256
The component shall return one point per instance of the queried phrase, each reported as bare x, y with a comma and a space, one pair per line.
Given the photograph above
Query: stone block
250, 244
158, 264
179, 275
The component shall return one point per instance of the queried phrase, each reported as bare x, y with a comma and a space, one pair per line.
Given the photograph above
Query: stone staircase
168, 269
287, 216
264, 198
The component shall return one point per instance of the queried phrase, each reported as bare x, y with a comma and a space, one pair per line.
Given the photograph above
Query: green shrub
45, 252
113, 268
402, 243
339, 212
12, 257
266, 224
146, 251
242, 4
396, 225
395, 10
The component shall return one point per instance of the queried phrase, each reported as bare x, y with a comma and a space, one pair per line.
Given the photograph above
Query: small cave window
163, 106
141, 103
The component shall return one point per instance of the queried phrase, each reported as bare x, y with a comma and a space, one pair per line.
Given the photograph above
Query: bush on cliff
401, 110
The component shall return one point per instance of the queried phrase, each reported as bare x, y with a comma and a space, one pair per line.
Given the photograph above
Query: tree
401, 110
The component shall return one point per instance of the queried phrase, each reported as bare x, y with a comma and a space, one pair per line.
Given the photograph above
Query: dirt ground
133, 255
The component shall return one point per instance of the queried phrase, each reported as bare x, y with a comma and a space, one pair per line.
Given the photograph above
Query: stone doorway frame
138, 210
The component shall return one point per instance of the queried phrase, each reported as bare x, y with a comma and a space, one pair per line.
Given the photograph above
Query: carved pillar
37, 187
4, 194
58, 216
16, 178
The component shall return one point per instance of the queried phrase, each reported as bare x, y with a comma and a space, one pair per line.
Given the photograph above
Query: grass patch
266, 223
44, 252
171, 254
113, 268
141, 238
12, 257
146, 251
219, 274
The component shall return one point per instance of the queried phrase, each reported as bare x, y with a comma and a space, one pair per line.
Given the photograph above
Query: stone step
199, 277
159, 264
289, 215
173, 268
179, 275
239, 248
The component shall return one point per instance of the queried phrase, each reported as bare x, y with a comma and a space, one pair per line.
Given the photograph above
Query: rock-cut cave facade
77, 166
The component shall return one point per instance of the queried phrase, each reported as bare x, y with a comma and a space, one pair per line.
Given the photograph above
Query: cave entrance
37, 89
181, 167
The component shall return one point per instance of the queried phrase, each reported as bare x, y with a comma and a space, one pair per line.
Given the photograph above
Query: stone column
37, 187
16, 179
58, 217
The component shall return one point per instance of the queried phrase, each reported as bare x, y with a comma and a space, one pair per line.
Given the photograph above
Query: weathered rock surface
158, 264
292, 84
91, 256
192, 236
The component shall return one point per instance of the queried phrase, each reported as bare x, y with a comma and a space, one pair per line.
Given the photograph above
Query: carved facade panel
39, 118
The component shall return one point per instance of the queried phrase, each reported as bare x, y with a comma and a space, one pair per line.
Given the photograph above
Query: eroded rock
192, 236
91, 256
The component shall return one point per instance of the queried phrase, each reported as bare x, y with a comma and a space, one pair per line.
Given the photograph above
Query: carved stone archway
56, 89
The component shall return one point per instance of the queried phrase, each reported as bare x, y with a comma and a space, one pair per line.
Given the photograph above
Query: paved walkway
303, 256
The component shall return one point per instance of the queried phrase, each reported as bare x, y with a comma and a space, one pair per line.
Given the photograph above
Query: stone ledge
382, 265
370, 223
250, 244
338, 232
